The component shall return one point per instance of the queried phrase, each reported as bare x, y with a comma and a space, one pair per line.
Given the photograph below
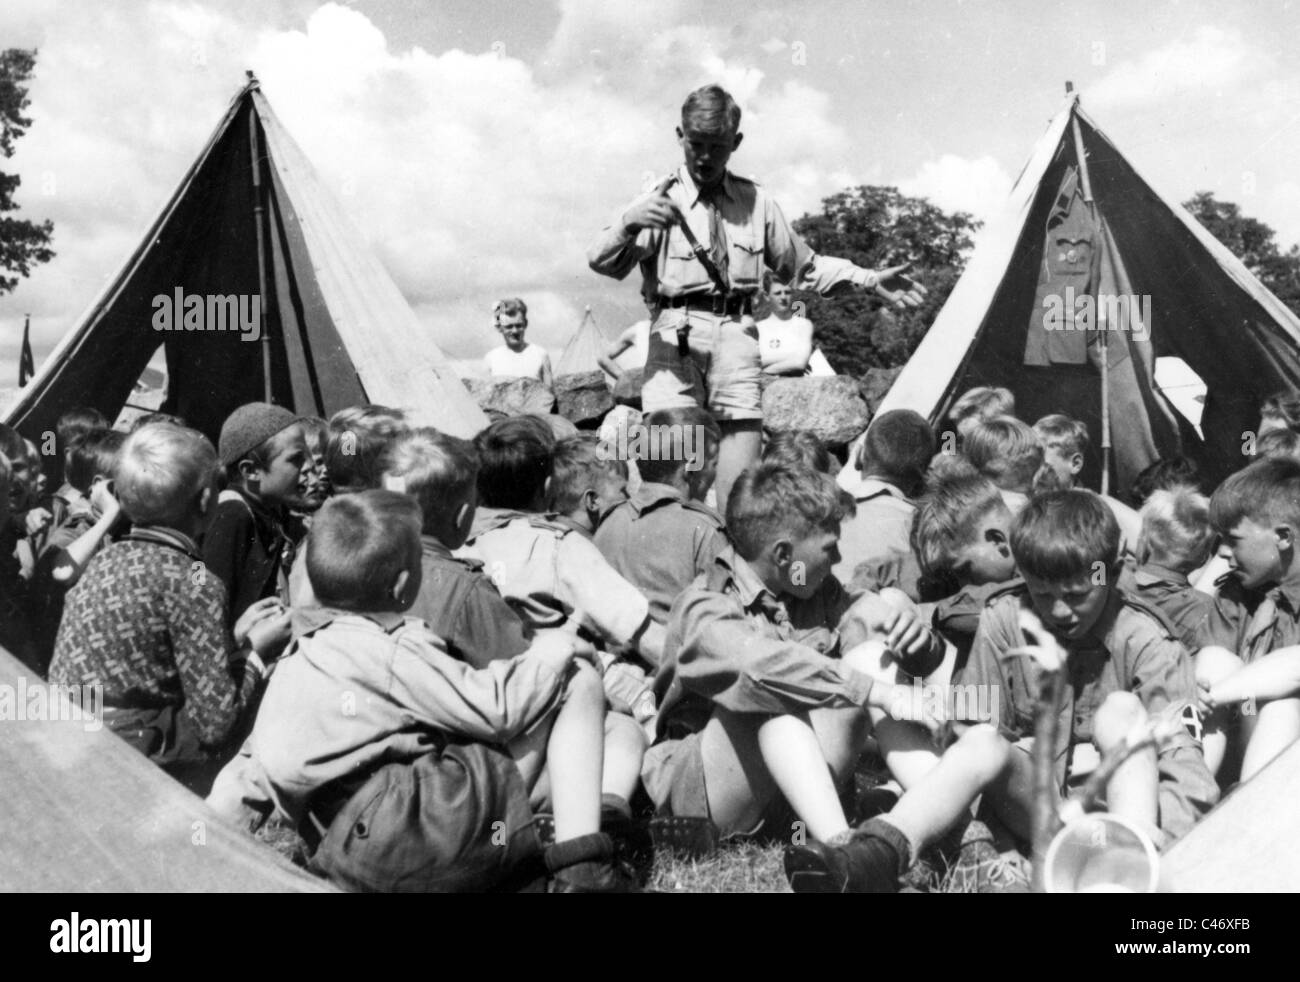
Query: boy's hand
37, 521
556, 649
1205, 701
894, 287
905, 634
269, 636
654, 210
256, 612
104, 502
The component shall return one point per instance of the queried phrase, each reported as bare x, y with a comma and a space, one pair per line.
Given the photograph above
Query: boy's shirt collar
1149, 573
167, 537
308, 620
486, 519
693, 193
652, 494
750, 589
874, 487
569, 523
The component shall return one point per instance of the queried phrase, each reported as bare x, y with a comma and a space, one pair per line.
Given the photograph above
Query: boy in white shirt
517, 358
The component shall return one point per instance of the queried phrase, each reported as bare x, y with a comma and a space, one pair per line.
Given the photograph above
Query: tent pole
1101, 337
259, 219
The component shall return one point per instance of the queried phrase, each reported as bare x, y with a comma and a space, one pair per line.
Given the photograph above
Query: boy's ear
735, 144
207, 500
591, 500
782, 552
248, 470
546, 489
1285, 536
1076, 463
464, 515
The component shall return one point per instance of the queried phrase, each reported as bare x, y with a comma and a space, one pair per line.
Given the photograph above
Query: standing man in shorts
702, 238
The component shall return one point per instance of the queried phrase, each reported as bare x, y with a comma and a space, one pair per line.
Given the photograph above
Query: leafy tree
877, 227
22, 243
1254, 243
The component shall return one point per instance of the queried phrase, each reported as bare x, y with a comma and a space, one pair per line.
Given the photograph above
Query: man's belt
733, 305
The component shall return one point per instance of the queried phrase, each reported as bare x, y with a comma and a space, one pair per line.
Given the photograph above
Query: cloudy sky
479, 144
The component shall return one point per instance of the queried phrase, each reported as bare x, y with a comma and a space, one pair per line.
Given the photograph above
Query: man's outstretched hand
895, 287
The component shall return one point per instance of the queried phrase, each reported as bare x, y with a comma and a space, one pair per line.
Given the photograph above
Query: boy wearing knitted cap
249, 546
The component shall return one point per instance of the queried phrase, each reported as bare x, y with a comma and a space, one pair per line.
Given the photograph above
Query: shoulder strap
701, 253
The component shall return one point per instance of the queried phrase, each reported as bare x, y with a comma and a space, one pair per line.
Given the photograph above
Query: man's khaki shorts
723, 357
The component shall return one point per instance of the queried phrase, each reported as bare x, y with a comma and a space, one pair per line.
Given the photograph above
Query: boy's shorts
673, 775
722, 372
456, 819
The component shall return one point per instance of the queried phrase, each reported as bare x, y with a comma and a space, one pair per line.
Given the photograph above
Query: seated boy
1176, 541
664, 536
1245, 673
458, 602
1065, 443
146, 622
359, 437
1006, 451
1124, 664
91, 511
961, 538
548, 572
874, 544
976, 405
774, 676
385, 751
69, 431
588, 482
249, 545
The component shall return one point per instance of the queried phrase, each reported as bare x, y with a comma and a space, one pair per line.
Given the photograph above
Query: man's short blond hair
162, 468
711, 109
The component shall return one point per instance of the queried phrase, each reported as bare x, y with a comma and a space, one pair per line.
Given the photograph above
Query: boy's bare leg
736, 779
907, 748
742, 439
1213, 665
1011, 794
979, 759
571, 751
1132, 791
1275, 727
795, 759
625, 744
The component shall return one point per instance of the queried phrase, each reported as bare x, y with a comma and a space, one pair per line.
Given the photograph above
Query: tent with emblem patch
1088, 267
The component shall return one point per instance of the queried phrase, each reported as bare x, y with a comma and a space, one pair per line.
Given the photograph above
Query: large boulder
876, 385
583, 397
511, 396
831, 407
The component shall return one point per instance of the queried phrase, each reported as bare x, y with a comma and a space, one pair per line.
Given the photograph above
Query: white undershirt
503, 363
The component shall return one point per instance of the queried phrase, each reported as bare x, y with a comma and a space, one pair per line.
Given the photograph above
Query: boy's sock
869, 859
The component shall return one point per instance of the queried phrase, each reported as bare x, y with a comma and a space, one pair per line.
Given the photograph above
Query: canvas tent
1205, 308
251, 218
586, 345
84, 812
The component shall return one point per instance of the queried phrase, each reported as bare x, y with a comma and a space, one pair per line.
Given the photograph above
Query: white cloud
953, 183
474, 175
1212, 62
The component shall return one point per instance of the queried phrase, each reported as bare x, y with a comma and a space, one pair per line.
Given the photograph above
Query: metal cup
1101, 853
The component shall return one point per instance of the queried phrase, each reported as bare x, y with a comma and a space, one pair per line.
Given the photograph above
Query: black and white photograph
613, 447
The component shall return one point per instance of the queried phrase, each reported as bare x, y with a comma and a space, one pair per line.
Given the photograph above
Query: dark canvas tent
252, 218
583, 350
1205, 308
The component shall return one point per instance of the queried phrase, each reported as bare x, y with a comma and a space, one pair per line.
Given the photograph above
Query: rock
876, 385
627, 390
511, 396
831, 407
561, 427
583, 398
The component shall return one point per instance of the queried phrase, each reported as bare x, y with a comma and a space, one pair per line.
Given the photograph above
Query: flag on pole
26, 364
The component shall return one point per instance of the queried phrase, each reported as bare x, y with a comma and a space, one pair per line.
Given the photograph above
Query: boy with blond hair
1176, 541
408, 790
148, 623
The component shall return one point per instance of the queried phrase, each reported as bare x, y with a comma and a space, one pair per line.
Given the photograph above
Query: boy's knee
584, 684
872, 658
625, 732
987, 750
1214, 664
1117, 717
